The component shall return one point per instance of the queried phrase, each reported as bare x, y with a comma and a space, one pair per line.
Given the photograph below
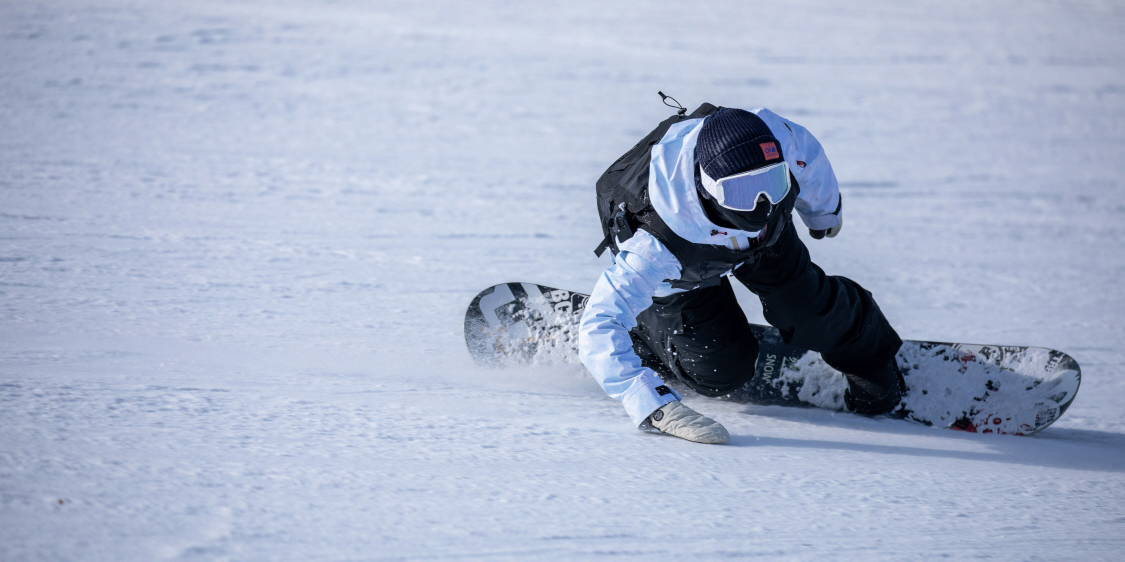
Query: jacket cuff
822, 222
646, 395
827, 220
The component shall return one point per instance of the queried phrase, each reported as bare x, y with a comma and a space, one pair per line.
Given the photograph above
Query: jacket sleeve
819, 201
624, 290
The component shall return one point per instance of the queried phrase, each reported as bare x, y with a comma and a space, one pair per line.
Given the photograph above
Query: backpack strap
619, 231
631, 169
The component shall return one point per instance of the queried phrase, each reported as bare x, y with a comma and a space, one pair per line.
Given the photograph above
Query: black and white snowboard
1014, 390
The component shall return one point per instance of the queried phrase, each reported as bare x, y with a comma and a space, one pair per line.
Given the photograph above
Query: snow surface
238, 239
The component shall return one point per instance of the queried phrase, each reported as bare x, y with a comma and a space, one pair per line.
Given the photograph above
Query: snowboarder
703, 198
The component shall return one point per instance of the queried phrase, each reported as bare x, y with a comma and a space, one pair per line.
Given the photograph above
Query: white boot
676, 419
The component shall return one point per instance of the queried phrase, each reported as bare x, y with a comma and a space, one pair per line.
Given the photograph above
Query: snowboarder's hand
676, 419
829, 232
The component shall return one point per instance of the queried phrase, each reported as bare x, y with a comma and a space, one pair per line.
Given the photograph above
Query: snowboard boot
876, 392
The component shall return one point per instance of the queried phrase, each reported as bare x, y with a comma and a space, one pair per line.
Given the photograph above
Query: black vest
624, 207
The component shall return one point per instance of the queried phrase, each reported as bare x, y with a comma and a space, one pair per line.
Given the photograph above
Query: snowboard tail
1017, 390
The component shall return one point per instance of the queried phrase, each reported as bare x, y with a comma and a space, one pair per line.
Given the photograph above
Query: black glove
831, 232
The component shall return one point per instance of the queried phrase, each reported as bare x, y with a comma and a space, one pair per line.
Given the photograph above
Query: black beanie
733, 141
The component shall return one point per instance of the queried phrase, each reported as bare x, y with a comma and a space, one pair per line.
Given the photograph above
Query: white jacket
643, 265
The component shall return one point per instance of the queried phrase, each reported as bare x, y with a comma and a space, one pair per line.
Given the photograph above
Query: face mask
749, 221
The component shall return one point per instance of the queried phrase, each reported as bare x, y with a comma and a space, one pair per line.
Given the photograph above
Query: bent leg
829, 314
702, 336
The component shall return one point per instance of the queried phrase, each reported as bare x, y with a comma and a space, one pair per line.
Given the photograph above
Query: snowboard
1015, 390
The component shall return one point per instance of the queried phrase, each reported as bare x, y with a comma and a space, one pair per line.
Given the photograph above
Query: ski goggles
740, 192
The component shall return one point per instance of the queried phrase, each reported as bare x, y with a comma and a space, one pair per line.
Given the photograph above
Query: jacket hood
672, 191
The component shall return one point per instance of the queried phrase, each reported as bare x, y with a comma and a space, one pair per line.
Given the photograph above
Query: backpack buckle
621, 224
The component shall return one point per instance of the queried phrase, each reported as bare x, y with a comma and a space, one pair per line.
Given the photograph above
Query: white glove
676, 419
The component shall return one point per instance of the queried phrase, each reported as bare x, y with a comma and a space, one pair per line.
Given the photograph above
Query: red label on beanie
769, 149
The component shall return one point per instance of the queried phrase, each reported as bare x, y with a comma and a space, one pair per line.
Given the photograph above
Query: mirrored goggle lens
740, 192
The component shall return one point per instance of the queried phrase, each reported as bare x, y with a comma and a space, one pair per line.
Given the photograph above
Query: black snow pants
703, 338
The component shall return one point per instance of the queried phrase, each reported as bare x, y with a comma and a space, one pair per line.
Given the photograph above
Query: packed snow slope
237, 239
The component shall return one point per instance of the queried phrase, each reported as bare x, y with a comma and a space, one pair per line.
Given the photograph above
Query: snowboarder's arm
819, 201
623, 291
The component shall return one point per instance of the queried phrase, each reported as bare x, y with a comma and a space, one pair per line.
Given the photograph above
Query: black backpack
622, 190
